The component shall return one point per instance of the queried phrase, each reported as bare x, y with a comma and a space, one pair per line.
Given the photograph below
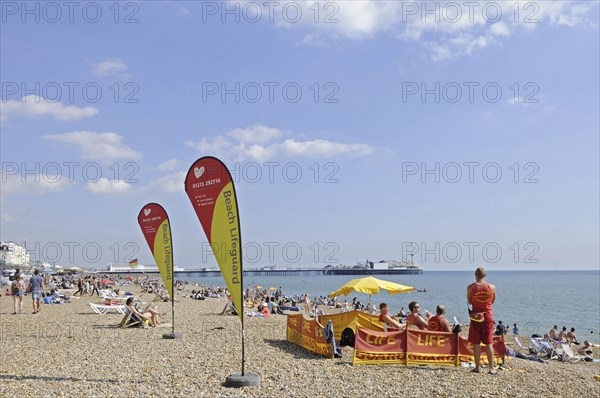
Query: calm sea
536, 300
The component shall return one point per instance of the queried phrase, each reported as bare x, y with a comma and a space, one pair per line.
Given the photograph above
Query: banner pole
212, 193
173, 300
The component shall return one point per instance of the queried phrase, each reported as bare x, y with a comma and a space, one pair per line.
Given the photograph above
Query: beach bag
457, 328
476, 316
47, 300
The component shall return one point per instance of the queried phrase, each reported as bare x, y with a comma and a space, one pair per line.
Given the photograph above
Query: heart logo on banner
198, 171
147, 211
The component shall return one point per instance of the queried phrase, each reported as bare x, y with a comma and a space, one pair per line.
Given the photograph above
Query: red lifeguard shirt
411, 320
435, 323
482, 297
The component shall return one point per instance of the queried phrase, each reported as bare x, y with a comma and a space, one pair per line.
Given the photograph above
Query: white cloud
103, 147
38, 183
434, 25
250, 143
106, 186
112, 68
255, 134
168, 165
323, 148
35, 106
499, 29
170, 183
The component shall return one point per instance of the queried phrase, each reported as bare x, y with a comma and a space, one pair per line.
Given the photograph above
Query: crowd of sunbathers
206, 291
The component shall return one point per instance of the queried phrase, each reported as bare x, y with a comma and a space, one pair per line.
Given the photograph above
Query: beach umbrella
272, 289
371, 285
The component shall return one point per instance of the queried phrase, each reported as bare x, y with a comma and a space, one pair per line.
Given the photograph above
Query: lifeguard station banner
374, 346
156, 228
417, 347
352, 320
210, 188
308, 334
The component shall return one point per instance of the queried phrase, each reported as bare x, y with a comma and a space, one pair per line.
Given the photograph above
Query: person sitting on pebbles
151, 316
586, 349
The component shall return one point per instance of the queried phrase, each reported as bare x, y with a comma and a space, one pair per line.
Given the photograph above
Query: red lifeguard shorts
482, 332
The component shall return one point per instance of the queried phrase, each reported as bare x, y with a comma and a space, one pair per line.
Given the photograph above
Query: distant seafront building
13, 255
127, 268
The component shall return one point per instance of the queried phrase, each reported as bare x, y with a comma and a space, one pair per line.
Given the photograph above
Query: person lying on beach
414, 318
384, 317
151, 316
263, 312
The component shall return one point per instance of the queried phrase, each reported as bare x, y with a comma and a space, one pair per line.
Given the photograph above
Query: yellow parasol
371, 285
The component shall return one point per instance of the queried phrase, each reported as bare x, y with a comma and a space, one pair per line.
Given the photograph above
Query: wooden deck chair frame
569, 355
229, 309
128, 321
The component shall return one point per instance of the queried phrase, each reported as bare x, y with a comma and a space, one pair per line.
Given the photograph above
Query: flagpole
242, 310
173, 300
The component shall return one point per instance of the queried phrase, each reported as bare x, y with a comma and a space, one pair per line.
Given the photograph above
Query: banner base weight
247, 380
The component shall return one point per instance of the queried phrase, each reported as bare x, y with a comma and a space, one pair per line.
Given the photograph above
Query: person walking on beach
36, 286
307, 305
17, 290
480, 296
79, 286
95, 283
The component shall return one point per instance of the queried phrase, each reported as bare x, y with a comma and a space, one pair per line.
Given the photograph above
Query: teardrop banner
211, 191
154, 222
210, 188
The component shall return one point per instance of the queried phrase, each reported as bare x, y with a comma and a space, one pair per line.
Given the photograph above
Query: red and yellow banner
417, 347
210, 188
352, 320
155, 226
308, 334
374, 346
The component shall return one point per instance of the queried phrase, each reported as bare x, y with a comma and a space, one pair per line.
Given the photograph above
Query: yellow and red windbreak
210, 188
156, 228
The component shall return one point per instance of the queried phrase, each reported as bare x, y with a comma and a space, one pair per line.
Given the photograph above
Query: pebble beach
70, 351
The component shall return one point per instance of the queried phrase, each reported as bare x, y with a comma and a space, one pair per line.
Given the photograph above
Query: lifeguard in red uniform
384, 317
438, 322
480, 296
414, 318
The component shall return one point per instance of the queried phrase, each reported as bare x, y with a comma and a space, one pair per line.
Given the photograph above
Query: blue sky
102, 113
